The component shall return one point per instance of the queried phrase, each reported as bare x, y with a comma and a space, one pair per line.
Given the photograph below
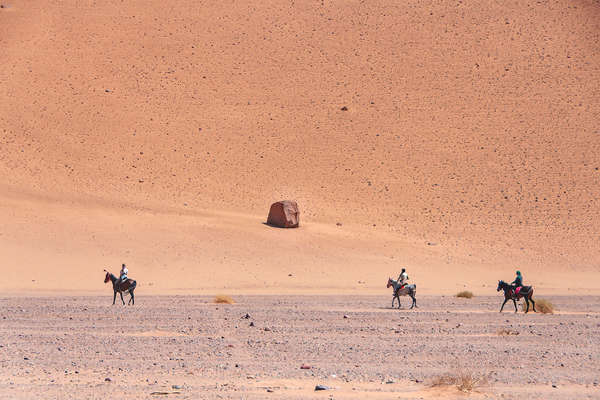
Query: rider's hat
518, 272
403, 269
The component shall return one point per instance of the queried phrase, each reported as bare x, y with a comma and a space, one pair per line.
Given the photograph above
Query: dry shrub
541, 305
507, 332
223, 299
544, 306
465, 293
464, 381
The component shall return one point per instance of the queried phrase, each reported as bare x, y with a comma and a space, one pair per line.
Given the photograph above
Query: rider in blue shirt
518, 282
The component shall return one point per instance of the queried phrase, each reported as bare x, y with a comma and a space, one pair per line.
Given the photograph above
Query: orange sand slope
158, 134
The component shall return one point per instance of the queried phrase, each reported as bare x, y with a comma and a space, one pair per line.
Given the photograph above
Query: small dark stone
270, 390
25, 358
247, 316
176, 386
107, 380
251, 323
322, 387
344, 108
345, 317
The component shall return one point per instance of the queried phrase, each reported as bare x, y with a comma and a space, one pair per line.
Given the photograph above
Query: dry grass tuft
465, 294
541, 305
222, 299
507, 332
544, 306
464, 381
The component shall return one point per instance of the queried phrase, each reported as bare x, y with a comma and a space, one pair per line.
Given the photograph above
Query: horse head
107, 277
500, 286
389, 282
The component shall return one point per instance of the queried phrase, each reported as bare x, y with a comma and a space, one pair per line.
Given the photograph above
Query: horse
509, 294
410, 290
128, 285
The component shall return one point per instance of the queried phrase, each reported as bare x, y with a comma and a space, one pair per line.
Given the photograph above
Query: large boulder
284, 214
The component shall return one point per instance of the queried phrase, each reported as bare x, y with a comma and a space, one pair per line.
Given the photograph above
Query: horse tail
132, 287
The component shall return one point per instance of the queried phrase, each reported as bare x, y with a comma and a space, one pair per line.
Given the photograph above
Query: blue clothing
518, 281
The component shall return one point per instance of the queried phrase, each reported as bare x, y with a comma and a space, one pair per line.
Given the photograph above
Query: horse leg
399, 305
132, 299
505, 300
412, 296
114, 297
532, 302
527, 301
393, 298
515, 301
121, 294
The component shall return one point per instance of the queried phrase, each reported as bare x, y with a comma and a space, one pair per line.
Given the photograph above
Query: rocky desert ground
187, 347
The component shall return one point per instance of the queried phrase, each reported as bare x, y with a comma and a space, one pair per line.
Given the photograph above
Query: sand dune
158, 134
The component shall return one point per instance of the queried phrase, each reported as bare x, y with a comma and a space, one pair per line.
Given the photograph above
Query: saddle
522, 288
401, 287
125, 284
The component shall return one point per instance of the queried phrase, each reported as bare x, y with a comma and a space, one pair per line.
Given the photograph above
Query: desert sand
158, 135
457, 139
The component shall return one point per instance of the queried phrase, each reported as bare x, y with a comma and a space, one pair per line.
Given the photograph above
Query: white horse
409, 290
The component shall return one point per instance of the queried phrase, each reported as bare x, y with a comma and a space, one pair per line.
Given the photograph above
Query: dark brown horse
525, 292
128, 285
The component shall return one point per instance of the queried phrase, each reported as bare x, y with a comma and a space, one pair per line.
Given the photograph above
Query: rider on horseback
517, 284
402, 279
122, 275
